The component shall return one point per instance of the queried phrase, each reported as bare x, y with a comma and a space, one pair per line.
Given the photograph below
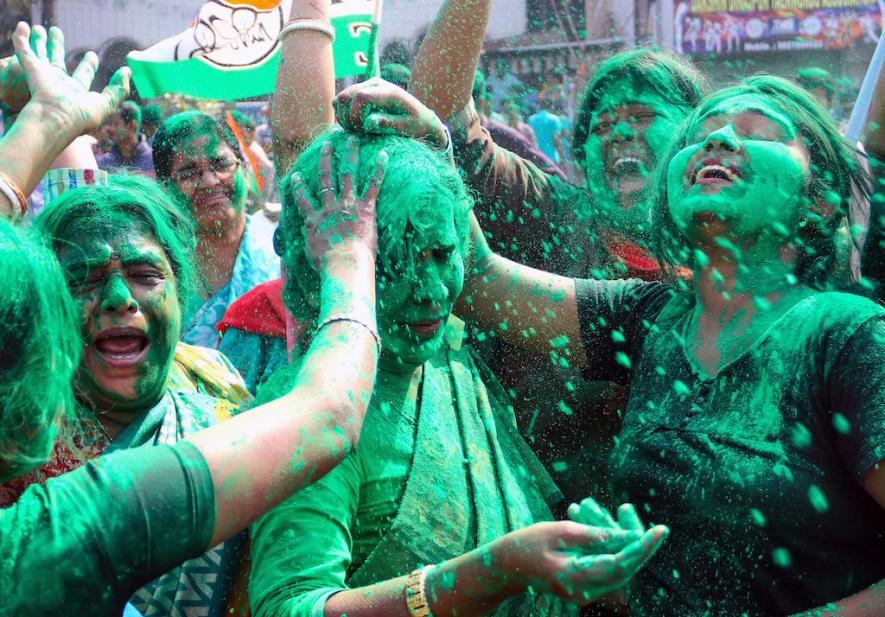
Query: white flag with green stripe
232, 49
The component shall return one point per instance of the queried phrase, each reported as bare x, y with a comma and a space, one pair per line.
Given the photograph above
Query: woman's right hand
57, 95
378, 106
343, 224
578, 562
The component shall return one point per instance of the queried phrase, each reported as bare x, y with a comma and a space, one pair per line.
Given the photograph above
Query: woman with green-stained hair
126, 250
440, 470
85, 541
755, 424
200, 161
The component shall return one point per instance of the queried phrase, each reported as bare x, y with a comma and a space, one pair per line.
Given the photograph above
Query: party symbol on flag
232, 49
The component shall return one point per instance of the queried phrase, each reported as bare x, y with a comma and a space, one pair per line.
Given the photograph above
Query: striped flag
232, 49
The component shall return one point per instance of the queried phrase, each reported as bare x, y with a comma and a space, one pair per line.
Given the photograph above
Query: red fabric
260, 311
639, 262
90, 442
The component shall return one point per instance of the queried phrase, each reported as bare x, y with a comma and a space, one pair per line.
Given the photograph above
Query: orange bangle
17, 192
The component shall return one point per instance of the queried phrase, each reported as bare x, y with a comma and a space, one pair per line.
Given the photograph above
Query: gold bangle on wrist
416, 600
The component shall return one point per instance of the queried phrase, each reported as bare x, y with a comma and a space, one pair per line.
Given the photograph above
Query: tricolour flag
232, 50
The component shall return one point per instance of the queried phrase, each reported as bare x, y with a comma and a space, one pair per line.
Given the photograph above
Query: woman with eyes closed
440, 470
126, 250
755, 423
199, 160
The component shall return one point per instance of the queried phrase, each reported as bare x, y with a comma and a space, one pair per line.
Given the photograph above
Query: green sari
465, 478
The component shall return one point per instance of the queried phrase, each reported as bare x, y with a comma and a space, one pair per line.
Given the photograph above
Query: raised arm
59, 108
442, 74
302, 101
261, 457
529, 308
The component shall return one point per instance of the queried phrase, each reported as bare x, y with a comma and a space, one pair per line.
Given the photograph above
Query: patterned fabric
199, 369
199, 586
57, 181
204, 389
256, 263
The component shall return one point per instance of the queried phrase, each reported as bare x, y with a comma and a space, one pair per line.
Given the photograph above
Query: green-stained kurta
439, 470
82, 544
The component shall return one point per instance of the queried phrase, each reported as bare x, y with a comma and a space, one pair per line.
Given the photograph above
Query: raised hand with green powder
59, 107
122, 520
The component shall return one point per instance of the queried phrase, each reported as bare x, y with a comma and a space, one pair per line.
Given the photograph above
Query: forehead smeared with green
417, 179
835, 174
128, 202
650, 72
749, 102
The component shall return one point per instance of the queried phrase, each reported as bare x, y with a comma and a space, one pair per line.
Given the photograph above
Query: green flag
232, 49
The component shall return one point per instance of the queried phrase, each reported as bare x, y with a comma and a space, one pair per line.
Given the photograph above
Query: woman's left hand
380, 107
343, 223
59, 96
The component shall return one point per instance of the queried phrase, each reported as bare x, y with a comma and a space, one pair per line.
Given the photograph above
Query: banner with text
745, 26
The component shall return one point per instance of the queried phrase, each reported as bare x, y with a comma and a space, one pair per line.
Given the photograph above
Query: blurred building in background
539, 42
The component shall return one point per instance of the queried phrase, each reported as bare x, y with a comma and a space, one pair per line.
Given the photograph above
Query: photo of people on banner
721, 27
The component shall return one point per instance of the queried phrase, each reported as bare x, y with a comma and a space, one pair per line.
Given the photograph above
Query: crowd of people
446, 377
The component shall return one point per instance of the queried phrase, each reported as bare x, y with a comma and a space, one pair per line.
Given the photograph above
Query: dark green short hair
152, 115
398, 74
835, 175
40, 337
178, 130
813, 77
142, 200
415, 174
669, 76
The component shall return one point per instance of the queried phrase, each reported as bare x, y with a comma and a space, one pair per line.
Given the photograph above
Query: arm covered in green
301, 550
86, 541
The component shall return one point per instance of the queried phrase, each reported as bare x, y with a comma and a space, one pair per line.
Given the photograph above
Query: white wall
89, 24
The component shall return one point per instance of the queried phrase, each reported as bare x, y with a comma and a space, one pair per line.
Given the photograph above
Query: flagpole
374, 68
858, 120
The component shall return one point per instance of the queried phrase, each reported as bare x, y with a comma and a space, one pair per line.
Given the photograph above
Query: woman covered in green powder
199, 160
440, 470
755, 424
84, 542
